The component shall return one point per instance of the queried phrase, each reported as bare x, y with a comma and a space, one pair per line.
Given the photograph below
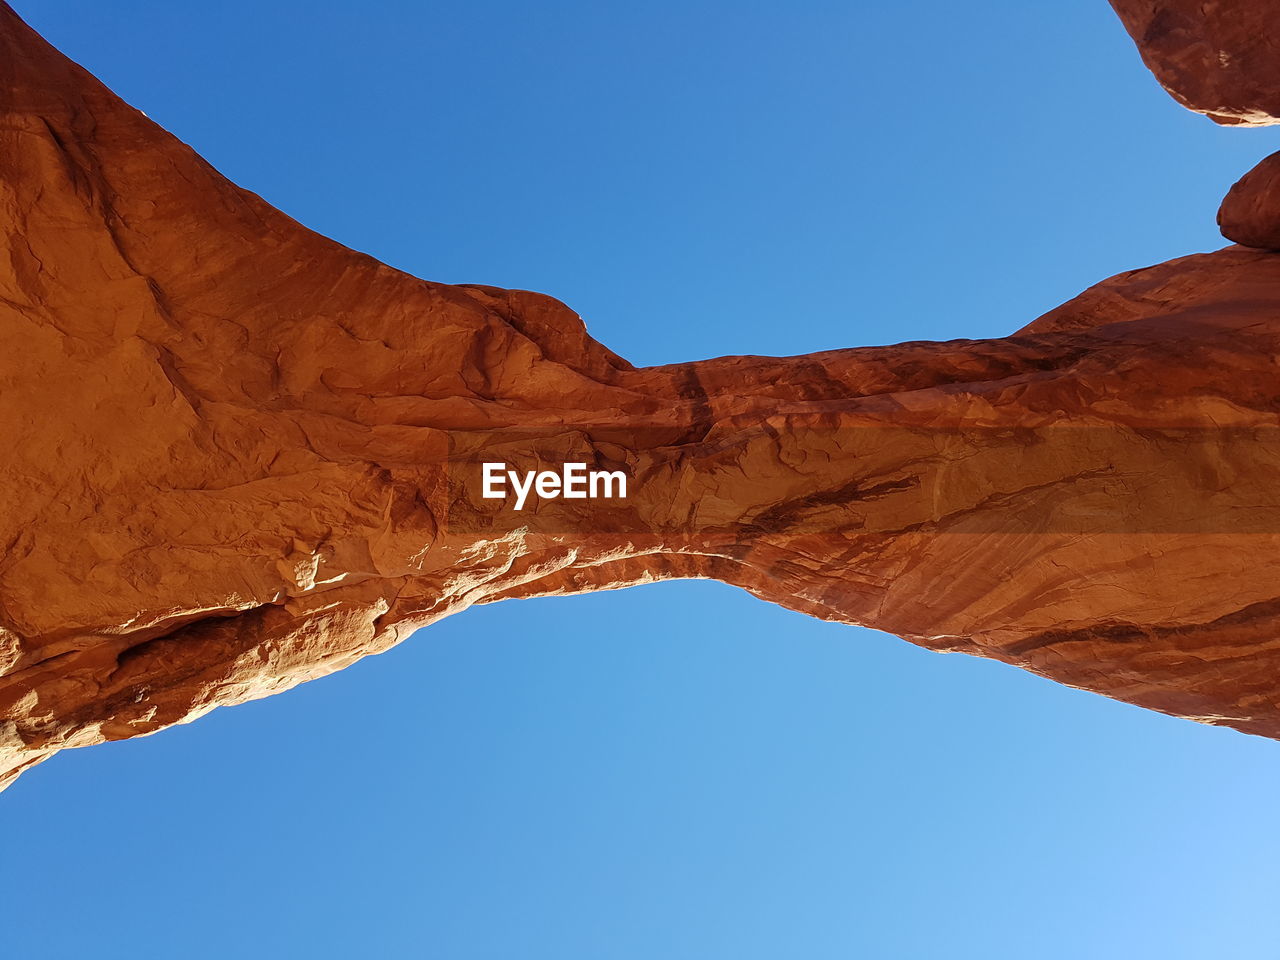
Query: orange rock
1250, 214
1219, 58
239, 456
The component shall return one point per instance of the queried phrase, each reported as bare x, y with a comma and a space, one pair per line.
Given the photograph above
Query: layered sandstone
1220, 57
240, 456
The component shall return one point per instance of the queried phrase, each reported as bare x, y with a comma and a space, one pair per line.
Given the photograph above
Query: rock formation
1250, 213
1220, 58
240, 456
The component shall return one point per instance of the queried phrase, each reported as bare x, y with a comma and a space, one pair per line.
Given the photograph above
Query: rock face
1220, 58
240, 456
1250, 214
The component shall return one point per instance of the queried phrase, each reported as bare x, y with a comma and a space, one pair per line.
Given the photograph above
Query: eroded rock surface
1250, 213
1220, 58
239, 456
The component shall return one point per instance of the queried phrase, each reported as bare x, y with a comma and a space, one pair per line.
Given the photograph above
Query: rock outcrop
1220, 58
240, 456
1250, 214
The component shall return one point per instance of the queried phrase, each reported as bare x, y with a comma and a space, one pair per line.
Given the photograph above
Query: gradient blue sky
680, 771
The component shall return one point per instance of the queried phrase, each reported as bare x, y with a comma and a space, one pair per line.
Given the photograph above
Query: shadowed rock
1250, 214
1220, 58
239, 455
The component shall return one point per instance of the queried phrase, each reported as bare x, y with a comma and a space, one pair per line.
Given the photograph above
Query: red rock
1250, 214
1220, 58
240, 456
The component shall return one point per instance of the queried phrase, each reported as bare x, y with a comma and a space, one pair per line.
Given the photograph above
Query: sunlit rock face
1220, 58
238, 455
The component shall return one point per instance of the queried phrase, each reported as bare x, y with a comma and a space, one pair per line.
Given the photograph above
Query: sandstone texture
1217, 57
1250, 214
239, 455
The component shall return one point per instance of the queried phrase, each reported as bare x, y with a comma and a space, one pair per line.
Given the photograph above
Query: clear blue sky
677, 772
